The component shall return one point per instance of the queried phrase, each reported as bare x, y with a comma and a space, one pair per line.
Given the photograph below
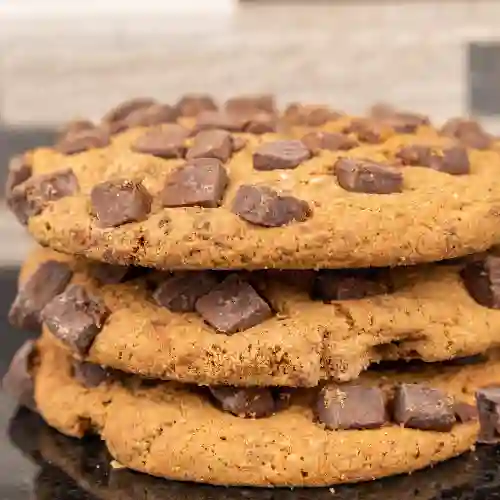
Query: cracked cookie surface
294, 340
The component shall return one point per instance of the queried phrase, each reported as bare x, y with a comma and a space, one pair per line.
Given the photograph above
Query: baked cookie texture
146, 195
421, 312
176, 431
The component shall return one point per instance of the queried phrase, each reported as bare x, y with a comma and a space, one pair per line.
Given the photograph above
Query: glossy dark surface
39, 463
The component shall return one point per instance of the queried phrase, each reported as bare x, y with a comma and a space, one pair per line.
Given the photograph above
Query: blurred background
62, 59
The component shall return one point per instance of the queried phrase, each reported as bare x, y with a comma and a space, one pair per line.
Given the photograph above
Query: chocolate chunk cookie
293, 328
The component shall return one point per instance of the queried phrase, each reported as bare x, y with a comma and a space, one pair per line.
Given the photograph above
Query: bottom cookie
176, 431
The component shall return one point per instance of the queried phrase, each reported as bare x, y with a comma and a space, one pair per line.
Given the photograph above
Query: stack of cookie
242, 296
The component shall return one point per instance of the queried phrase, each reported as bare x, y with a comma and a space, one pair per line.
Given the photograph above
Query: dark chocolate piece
261, 123
200, 182
18, 381
415, 155
465, 412
86, 139
155, 114
251, 104
310, 115
351, 407
75, 317
488, 406
108, 274
179, 293
211, 144
419, 407
166, 142
263, 206
120, 201
194, 104
49, 280
31, 197
246, 402
233, 306
90, 375
469, 132
231, 122
285, 154
453, 161
331, 141
482, 280
120, 112
362, 176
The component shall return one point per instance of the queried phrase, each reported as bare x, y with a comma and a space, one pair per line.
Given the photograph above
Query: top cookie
225, 190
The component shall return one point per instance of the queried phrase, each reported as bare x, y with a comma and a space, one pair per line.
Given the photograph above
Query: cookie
91, 467
182, 432
269, 328
233, 189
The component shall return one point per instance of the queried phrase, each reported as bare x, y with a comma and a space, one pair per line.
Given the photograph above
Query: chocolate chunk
49, 280
75, 127
224, 121
465, 412
165, 142
316, 141
251, 104
246, 402
83, 141
90, 375
488, 406
18, 381
200, 182
151, 115
311, 115
407, 123
75, 317
211, 144
31, 197
369, 131
286, 154
261, 123
194, 104
469, 132
331, 285
233, 306
19, 171
351, 407
120, 201
364, 176
108, 274
454, 161
419, 407
265, 207
415, 155
123, 110
482, 280
238, 143
179, 293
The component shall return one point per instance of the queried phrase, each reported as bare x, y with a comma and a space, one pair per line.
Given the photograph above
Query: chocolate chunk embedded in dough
124, 109
108, 274
419, 407
253, 402
311, 115
166, 142
469, 132
261, 123
363, 176
120, 201
285, 154
250, 104
233, 306
331, 141
152, 115
465, 412
19, 171
331, 285
482, 280
221, 120
200, 182
49, 280
86, 139
415, 155
90, 375
488, 406
31, 197
194, 104
211, 144
18, 381
75, 317
351, 407
263, 206
179, 293
454, 161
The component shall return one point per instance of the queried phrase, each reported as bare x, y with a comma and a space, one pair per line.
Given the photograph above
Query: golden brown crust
430, 316
436, 216
172, 431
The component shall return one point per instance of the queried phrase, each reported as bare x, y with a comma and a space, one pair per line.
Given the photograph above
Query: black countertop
39, 463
